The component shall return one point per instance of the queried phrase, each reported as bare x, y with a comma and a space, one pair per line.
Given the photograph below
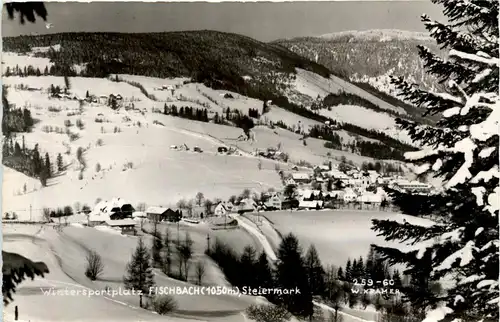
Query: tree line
343, 98
254, 270
30, 161
28, 70
253, 112
376, 150
187, 112
304, 271
14, 120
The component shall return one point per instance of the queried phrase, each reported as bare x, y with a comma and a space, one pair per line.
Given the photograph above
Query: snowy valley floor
336, 234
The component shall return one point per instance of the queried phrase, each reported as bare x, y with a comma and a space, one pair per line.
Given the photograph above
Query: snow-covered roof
221, 205
337, 174
156, 210
248, 201
121, 222
106, 206
247, 204
138, 214
310, 204
228, 204
305, 193
300, 176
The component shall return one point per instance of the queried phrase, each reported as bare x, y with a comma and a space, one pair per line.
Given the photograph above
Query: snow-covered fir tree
461, 246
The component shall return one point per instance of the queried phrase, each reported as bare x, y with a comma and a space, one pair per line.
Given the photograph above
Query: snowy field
65, 254
132, 149
129, 154
337, 235
313, 85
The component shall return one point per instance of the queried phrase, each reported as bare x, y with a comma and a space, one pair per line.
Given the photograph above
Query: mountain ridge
370, 57
221, 61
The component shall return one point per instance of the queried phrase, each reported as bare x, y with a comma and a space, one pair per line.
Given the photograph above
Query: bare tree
141, 207
182, 204
190, 208
167, 260
164, 304
199, 198
200, 271
268, 313
77, 207
334, 317
208, 207
94, 267
46, 214
185, 251
156, 221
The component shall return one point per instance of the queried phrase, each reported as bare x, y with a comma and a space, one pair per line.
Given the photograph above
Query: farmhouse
246, 205
220, 210
125, 211
274, 202
336, 194
222, 149
163, 214
168, 87
127, 226
349, 196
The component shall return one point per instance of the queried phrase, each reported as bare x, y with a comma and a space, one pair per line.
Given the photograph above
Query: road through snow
250, 228
260, 237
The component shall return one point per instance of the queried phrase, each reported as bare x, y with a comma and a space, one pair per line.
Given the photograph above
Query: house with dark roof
163, 214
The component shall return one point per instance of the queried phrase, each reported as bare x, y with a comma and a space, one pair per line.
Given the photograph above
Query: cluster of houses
272, 153
323, 187
120, 215
328, 183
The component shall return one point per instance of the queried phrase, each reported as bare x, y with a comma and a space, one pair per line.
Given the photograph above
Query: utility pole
208, 243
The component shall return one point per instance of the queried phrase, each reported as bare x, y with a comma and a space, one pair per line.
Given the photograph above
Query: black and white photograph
302, 161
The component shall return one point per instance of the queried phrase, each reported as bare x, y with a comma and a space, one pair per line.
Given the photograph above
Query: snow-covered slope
128, 152
369, 56
379, 35
65, 254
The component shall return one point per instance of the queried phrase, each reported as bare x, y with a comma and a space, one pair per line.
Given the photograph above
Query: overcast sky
263, 21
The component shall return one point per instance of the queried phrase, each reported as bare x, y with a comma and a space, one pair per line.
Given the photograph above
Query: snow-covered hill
370, 56
129, 153
378, 35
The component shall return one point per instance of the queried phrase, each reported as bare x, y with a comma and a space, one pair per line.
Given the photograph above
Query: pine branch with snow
463, 243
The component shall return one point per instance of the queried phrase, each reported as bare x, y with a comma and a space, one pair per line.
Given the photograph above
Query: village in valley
325, 187
270, 175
